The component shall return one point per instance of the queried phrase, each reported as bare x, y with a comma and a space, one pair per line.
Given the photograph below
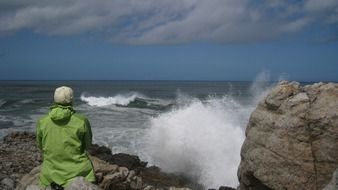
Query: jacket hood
60, 113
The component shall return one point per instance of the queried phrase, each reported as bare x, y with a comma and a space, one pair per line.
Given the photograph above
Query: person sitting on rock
63, 136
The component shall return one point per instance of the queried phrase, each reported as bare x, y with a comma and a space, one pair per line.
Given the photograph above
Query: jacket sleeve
38, 135
87, 135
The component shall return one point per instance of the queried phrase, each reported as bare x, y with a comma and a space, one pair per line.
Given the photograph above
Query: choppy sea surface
192, 128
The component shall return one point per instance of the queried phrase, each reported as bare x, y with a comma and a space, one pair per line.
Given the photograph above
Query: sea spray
202, 138
260, 87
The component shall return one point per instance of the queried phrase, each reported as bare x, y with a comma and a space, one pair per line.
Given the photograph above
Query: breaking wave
202, 139
131, 100
119, 99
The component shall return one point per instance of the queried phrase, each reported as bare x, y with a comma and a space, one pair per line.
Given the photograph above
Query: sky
169, 39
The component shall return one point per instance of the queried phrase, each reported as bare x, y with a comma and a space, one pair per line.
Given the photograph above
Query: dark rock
101, 152
119, 186
99, 177
131, 162
155, 177
256, 184
225, 188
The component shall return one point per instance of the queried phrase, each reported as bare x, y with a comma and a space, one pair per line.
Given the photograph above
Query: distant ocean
194, 128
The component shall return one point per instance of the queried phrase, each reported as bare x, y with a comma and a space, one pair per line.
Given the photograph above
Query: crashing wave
202, 138
132, 100
101, 101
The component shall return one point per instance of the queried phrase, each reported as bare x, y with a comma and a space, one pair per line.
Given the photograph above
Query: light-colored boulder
124, 171
103, 167
291, 139
31, 179
81, 183
136, 183
33, 187
130, 175
176, 188
117, 177
149, 187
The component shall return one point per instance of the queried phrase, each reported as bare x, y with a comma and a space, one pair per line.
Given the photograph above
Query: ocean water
192, 128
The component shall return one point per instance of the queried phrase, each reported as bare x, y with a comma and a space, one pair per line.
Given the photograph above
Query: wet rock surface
292, 139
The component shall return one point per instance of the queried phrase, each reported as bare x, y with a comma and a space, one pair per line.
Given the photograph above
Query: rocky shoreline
20, 160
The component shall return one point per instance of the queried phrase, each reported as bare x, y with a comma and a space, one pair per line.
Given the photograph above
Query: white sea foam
202, 139
119, 99
26, 101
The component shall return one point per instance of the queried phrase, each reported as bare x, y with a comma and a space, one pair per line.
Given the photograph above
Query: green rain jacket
63, 137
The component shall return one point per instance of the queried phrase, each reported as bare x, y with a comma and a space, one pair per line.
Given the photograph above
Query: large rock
103, 167
32, 178
292, 139
81, 183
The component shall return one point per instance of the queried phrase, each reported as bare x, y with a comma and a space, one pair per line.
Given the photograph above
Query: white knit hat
63, 95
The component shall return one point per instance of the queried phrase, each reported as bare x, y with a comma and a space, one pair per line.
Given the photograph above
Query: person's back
63, 136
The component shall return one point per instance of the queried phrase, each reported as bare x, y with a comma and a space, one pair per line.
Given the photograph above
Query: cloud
167, 21
320, 5
296, 25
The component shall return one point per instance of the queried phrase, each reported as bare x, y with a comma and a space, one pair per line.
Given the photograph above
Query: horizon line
158, 80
